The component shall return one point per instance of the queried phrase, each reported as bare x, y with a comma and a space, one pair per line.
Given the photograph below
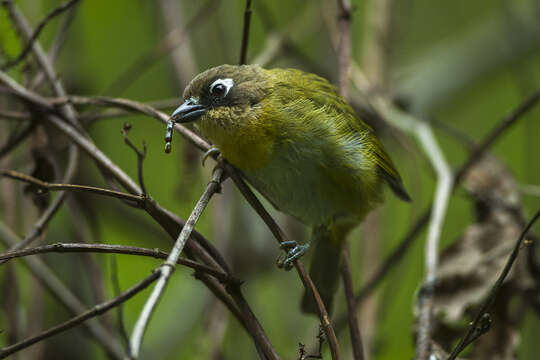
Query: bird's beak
188, 111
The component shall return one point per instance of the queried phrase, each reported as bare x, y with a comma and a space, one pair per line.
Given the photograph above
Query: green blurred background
461, 63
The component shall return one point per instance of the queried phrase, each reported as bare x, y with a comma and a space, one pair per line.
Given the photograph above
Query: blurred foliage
435, 47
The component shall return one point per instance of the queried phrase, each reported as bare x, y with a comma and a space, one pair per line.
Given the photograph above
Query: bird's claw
294, 251
210, 152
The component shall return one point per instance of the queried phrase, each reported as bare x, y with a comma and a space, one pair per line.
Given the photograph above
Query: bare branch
91, 116
71, 187
114, 249
95, 311
481, 321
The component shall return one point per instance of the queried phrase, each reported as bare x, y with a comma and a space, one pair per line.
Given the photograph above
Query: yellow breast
245, 142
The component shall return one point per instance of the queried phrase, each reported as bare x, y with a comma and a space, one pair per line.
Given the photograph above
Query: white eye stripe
228, 83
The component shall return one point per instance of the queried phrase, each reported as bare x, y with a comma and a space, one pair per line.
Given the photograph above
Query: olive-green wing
387, 169
323, 93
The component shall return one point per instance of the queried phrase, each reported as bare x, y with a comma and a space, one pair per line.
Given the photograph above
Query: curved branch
114, 249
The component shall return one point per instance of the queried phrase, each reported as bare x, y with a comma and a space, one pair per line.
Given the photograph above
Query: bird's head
222, 95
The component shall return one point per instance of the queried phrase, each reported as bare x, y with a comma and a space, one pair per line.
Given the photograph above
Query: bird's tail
325, 265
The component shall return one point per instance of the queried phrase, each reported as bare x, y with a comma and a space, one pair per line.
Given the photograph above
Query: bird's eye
219, 90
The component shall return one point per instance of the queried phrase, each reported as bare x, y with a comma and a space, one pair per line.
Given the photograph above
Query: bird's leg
294, 251
210, 152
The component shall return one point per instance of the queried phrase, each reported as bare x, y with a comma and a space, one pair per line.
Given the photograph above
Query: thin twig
167, 267
245, 33
126, 104
140, 156
479, 325
93, 312
33, 38
71, 187
113, 249
89, 117
354, 330
59, 40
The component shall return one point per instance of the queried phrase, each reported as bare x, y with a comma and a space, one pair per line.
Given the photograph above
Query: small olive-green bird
299, 143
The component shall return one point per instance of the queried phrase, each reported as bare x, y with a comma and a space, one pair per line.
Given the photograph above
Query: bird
298, 142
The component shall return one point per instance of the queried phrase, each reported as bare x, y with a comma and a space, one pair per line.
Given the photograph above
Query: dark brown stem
245, 33
354, 330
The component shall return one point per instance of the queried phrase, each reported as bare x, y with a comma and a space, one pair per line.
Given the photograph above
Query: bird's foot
294, 251
213, 151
